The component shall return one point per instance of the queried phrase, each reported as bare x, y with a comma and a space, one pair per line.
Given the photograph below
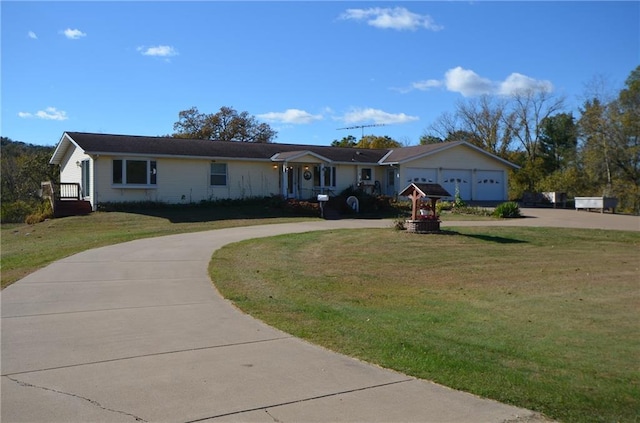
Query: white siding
188, 181
246, 180
70, 172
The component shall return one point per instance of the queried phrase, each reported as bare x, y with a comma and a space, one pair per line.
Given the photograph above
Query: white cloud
158, 51
469, 84
293, 116
427, 84
466, 82
517, 82
377, 116
397, 18
73, 34
50, 113
32, 35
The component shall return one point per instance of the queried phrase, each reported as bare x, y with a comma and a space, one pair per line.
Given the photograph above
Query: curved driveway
135, 332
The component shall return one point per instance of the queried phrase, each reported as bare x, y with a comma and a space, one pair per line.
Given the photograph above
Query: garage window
456, 181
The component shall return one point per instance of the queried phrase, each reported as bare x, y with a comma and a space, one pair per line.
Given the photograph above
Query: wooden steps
64, 208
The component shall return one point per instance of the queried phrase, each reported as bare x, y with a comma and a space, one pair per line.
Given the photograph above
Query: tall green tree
430, 139
558, 141
348, 141
374, 141
610, 148
225, 125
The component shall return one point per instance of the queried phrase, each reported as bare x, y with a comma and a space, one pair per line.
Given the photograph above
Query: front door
391, 182
85, 167
293, 181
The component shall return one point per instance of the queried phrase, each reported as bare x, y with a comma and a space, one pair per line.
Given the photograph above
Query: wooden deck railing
62, 191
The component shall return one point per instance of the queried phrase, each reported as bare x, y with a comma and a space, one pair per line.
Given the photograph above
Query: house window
86, 177
134, 172
329, 177
218, 174
365, 174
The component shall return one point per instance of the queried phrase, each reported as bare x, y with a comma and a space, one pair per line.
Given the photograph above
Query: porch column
285, 179
323, 169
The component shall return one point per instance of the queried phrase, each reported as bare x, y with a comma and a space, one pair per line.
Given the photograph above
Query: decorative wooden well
424, 217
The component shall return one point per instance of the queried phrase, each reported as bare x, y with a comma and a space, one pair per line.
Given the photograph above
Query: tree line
594, 154
24, 167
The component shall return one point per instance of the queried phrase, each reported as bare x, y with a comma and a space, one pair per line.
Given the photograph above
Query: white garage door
420, 176
489, 185
460, 178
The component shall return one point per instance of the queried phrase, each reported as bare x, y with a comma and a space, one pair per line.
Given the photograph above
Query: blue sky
306, 68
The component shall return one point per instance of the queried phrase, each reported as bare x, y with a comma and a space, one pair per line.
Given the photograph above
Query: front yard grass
545, 319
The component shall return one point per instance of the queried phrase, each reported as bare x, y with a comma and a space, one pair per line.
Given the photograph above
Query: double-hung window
218, 174
140, 172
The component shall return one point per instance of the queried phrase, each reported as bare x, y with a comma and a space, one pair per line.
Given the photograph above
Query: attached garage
476, 174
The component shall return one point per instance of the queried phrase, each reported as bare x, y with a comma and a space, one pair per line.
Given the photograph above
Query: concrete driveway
136, 332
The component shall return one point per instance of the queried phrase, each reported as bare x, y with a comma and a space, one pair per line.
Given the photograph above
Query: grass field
546, 319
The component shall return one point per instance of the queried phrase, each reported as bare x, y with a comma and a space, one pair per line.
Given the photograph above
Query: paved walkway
135, 332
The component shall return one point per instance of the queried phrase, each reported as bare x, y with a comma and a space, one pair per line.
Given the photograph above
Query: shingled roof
134, 145
172, 147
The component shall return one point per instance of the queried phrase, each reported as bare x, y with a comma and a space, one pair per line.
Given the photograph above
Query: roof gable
408, 154
61, 149
298, 155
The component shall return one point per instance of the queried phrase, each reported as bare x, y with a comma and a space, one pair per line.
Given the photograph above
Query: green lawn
546, 319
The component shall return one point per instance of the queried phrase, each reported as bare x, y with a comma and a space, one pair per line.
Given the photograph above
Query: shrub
16, 211
443, 205
41, 213
471, 210
507, 210
26, 212
458, 201
398, 224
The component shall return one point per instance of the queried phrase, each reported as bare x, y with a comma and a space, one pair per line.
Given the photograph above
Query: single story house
125, 168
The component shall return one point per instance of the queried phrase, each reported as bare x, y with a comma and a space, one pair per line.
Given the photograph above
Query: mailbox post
322, 198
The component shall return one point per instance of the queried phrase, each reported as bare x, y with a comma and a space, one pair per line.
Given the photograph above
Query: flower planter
422, 226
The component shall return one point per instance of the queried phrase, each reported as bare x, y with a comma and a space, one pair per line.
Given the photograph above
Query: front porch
66, 199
